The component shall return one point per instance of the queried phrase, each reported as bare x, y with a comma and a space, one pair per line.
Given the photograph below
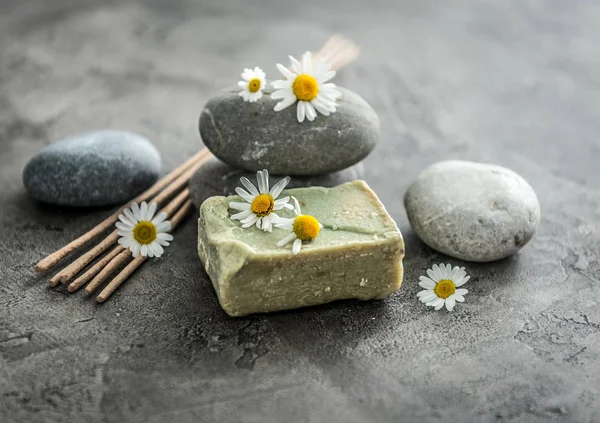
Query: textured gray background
510, 82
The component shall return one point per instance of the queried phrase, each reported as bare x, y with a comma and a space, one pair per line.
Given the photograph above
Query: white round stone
472, 211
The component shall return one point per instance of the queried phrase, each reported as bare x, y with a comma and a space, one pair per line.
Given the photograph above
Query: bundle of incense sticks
337, 51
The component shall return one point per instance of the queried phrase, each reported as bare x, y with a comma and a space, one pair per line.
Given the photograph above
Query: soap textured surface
358, 253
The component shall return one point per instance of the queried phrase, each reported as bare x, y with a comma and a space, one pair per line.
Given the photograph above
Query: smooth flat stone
472, 211
93, 169
253, 136
357, 254
218, 178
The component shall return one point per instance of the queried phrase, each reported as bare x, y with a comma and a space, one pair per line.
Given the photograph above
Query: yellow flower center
305, 87
444, 288
306, 227
262, 205
144, 232
254, 85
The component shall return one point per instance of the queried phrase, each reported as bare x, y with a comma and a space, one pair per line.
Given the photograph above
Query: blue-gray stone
93, 169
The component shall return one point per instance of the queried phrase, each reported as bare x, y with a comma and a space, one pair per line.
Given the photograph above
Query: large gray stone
218, 178
92, 169
252, 136
472, 211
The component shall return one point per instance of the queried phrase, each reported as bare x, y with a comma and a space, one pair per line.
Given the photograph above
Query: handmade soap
358, 253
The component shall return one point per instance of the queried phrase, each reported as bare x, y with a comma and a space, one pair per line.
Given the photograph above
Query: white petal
327, 76
159, 218
143, 210
158, 250
463, 281
135, 249
285, 103
282, 200
284, 93
236, 205
267, 223
144, 250
123, 227
285, 71
279, 186
250, 218
432, 273
164, 236
461, 291
241, 215
300, 111
317, 104
307, 62
163, 226
263, 181
244, 194
284, 223
450, 302
136, 211
125, 242
151, 211
252, 221
440, 305
310, 111
296, 66
425, 282
286, 240
296, 246
126, 220
249, 185
296, 206
435, 302
458, 298
130, 215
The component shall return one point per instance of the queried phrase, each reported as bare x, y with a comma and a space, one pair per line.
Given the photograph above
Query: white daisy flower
440, 286
303, 227
252, 84
258, 208
306, 83
143, 233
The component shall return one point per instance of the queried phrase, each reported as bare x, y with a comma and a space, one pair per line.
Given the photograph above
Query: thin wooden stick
74, 268
105, 273
139, 260
195, 161
94, 270
120, 278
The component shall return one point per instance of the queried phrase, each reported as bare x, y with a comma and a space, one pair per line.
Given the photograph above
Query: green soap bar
358, 253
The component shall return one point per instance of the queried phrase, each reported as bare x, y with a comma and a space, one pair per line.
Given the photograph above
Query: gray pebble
252, 136
472, 211
92, 169
217, 178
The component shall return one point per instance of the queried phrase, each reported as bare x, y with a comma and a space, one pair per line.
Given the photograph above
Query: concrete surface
513, 82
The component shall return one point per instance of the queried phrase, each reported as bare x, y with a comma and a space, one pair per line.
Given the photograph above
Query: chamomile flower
303, 227
441, 286
260, 204
252, 84
143, 233
307, 84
